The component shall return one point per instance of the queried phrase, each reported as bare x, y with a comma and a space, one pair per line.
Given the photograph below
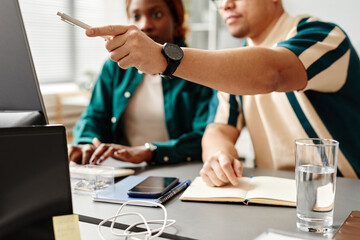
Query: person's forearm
215, 139
241, 71
250, 70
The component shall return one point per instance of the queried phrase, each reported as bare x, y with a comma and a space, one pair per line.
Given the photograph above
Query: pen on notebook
174, 191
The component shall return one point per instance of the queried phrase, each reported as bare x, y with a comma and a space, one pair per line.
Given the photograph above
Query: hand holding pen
127, 45
130, 47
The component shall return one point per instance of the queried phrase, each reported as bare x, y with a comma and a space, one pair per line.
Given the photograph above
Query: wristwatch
173, 54
150, 146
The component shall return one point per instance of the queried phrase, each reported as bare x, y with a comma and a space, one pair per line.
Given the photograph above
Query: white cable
148, 233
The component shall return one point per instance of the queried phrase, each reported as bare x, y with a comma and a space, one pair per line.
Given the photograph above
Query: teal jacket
185, 105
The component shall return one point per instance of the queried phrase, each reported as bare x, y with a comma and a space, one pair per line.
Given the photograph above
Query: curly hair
177, 10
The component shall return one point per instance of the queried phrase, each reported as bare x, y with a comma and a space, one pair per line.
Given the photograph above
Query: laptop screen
34, 180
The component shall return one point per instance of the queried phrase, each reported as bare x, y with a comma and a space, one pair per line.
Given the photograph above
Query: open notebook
260, 190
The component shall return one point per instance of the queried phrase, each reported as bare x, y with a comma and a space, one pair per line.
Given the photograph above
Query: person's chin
237, 31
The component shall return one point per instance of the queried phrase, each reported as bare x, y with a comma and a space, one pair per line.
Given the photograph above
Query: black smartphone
153, 187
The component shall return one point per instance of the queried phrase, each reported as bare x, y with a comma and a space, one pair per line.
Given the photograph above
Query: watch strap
171, 68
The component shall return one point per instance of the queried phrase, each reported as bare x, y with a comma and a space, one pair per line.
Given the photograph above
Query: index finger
109, 30
98, 153
228, 169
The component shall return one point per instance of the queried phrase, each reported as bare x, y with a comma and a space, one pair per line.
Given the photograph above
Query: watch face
173, 51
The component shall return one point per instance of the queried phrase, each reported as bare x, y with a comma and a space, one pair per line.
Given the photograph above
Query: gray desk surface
201, 220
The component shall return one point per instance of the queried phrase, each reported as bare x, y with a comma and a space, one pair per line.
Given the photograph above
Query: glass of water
316, 167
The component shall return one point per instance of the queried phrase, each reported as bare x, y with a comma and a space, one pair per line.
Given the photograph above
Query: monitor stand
21, 118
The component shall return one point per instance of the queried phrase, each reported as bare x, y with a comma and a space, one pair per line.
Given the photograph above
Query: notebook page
199, 189
273, 188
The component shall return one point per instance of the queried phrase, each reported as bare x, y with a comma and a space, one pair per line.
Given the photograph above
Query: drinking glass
316, 167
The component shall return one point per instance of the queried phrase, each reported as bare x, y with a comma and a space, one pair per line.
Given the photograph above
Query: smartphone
153, 187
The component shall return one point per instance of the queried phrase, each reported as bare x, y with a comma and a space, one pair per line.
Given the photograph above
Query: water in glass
315, 197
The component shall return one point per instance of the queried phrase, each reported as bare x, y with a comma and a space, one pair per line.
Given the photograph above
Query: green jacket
185, 104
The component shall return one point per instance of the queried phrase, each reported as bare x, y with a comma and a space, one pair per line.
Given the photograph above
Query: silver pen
74, 22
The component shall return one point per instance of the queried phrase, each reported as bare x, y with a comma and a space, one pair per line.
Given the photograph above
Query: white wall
115, 12
345, 13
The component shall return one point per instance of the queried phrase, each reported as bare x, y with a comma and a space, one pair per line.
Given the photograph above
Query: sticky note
66, 227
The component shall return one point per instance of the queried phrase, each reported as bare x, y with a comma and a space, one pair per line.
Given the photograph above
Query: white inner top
144, 117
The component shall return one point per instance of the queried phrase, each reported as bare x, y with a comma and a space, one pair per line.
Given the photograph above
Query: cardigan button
166, 159
113, 119
127, 94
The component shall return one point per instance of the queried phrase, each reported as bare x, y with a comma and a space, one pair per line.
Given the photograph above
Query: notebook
35, 181
260, 190
118, 194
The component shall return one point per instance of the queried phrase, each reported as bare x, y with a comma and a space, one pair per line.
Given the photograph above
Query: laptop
34, 180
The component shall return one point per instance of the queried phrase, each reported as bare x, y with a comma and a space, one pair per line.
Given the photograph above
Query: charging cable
127, 232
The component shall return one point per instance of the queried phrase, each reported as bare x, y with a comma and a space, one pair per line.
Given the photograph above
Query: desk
197, 220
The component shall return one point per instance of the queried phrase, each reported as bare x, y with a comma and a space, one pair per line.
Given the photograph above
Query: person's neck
257, 39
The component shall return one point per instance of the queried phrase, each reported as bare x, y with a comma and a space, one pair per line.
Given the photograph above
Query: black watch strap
170, 69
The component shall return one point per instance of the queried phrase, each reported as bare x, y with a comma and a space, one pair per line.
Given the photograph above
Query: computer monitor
34, 180
21, 102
